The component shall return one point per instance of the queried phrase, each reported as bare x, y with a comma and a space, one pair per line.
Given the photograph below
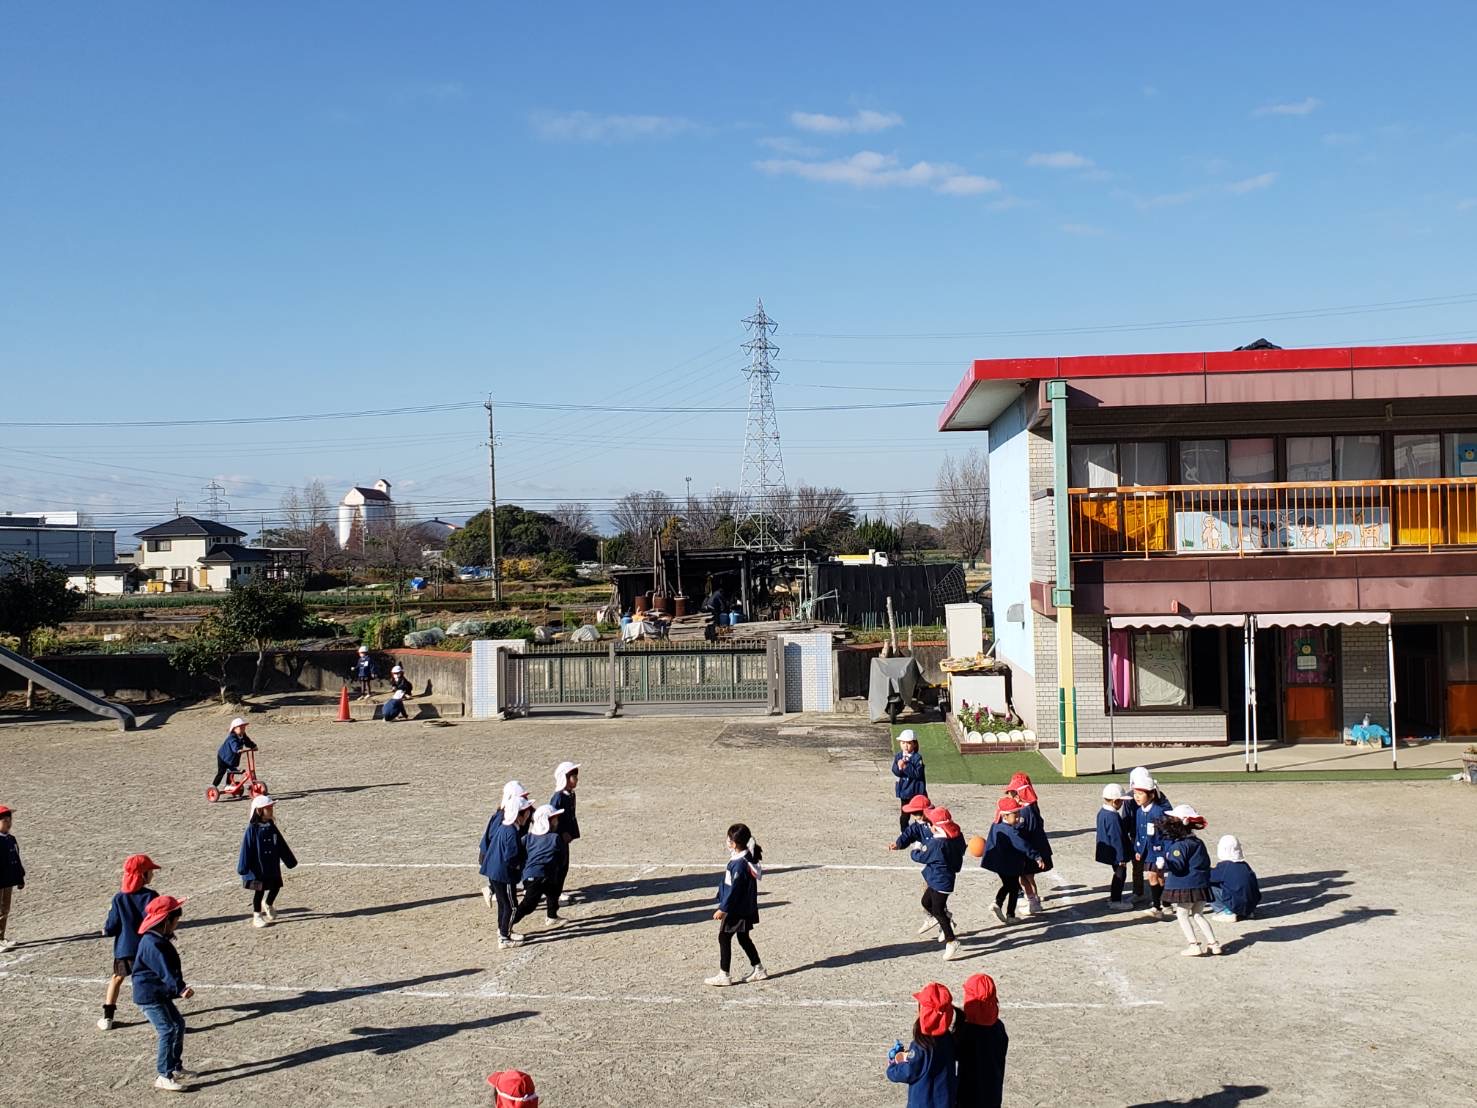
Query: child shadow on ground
298, 794
651, 886
1227, 1097
374, 1040
313, 998
300, 914
1289, 932
672, 915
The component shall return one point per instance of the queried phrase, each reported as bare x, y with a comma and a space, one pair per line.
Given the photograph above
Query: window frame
1189, 707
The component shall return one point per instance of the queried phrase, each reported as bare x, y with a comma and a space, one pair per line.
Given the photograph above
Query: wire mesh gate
729, 676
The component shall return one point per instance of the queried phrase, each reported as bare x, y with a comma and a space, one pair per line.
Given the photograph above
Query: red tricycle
239, 782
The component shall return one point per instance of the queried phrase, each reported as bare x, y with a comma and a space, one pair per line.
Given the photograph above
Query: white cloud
1467, 204
864, 122
1295, 107
782, 144
1085, 229
1252, 184
869, 169
581, 126
1059, 159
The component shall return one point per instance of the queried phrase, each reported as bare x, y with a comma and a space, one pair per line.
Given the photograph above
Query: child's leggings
506, 899
1191, 916
1138, 879
1010, 891
902, 820
936, 904
268, 896
725, 947
1115, 889
4, 908
221, 769
533, 889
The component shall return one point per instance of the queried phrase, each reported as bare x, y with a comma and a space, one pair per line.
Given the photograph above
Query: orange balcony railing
1329, 517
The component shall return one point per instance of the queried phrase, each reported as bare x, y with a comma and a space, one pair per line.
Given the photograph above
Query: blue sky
220, 210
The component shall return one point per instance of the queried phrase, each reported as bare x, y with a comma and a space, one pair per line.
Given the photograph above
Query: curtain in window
1120, 668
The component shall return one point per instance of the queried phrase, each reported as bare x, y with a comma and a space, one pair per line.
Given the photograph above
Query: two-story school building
1281, 540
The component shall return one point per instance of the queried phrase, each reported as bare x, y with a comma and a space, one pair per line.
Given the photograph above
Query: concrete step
428, 708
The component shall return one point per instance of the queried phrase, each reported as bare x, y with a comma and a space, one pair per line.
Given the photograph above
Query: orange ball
976, 847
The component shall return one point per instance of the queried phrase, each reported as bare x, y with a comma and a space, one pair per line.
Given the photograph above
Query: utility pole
763, 476
497, 576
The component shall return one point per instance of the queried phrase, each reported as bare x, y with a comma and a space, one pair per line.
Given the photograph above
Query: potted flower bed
976, 729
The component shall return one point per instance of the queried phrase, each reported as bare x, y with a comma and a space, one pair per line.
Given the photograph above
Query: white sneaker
259, 920
168, 1084
928, 925
514, 938
1213, 948
502, 943
6, 946
487, 895
566, 898
1035, 905
718, 980
270, 912
999, 913
952, 951
756, 973
105, 1024
554, 923
1190, 952
1151, 912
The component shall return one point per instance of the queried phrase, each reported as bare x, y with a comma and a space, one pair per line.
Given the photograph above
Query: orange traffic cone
343, 707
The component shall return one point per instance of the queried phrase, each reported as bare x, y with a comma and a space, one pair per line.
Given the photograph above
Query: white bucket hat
541, 816
397, 669
562, 772
1140, 778
1113, 792
1229, 849
1183, 811
907, 737
237, 722
364, 650
260, 802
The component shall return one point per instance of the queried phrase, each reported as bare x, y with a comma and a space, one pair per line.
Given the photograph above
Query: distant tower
763, 476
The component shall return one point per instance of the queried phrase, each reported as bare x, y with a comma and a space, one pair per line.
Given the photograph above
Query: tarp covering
1320, 619
1177, 621
891, 675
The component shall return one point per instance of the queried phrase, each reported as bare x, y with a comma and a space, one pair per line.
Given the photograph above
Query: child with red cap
1008, 854
927, 1065
512, 1089
124, 915
1033, 829
158, 981
917, 830
942, 856
12, 873
980, 1042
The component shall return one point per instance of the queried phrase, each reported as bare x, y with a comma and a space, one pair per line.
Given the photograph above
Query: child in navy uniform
1033, 829
12, 873
500, 859
124, 916
400, 691
980, 1042
1150, 808
1233, 882
917, 830
927, 1065
228, 757
364, 672
942, 856
1114, 842
264, 851
1185, 864
1138, 778
158, 981
566, 780
907, 767
1009, 855
546, 853
738, 906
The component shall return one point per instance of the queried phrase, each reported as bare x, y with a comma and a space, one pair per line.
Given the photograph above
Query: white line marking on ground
1103, 957
482, 994
645, 867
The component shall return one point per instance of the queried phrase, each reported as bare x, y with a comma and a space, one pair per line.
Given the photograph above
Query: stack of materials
763, 629
691, 627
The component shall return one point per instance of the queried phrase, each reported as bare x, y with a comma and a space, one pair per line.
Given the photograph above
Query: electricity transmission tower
214, 502
763, 476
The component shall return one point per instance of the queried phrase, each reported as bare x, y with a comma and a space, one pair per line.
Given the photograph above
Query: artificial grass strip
948, 767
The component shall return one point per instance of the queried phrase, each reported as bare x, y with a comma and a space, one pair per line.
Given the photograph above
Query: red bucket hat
943, 819
917, 804
136, 870
1005, 804
4, 811
159, 909
512, 1087
1020, 784
935, 1009
981, 1005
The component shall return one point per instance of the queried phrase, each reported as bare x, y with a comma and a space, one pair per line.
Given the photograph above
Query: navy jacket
981, 1051
911, 779
738, 896
1186, 864
124, 916
502, 851
157, 976
1007, 852
12, 873
1114, 839
545, 854
942, 858
264, 852
929, 1074
569, 824
1236, 884
1148, 846
230, 750
1033, 829
918, 832
364, 667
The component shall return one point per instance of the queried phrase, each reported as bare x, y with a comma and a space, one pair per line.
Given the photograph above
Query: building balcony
1329, 518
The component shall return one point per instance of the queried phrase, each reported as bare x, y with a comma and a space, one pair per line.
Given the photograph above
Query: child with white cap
566, 780
500, 859
912, 780
364, 671
512, 790
1150, 807
1233, 883
546, 856
264, 851
400, 691
228, 757
1114, 842
1185, 864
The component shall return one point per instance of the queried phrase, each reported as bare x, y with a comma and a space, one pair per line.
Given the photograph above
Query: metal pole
1112, 701
1248, 696
1394, 734
1061, 593
497, 575
1256, 730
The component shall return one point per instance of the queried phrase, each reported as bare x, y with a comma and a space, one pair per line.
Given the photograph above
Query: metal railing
578, 676
1327, 517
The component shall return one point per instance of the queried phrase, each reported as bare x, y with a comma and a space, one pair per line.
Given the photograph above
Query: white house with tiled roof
368, 509
193, 553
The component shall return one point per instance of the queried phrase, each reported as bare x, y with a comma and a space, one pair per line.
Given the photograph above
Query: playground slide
64, 688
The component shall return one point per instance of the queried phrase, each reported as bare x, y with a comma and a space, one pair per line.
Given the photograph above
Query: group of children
365, 673
956, 1057
529, 845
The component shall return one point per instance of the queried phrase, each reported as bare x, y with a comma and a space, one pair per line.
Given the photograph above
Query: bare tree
814, 516
642, 515
572, 522
708, 521
964, 503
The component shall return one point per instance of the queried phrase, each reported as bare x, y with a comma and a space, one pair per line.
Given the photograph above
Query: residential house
88, 554
1263, 544
191, 553
363, 512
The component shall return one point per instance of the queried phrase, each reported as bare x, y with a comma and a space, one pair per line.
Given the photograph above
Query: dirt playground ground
382, 984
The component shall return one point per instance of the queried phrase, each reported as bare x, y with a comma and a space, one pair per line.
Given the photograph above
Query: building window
158, 545
1164, 668
1310, 458
1203, 462
1251, 461
179, 573
1143, 463
1417, 456
1093, 466
1357, 458
1461, 453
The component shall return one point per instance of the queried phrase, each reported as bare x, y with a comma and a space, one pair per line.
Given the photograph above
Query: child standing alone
1114, 842
12, 873
264, 851
124, 916
228, 757
158, 981
912, 781
1186, 865
738, 906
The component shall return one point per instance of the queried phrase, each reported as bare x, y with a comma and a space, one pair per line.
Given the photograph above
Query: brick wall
1365, 668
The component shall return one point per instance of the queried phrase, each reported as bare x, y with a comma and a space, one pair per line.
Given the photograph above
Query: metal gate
606, 677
